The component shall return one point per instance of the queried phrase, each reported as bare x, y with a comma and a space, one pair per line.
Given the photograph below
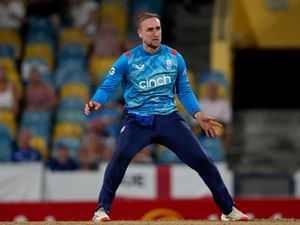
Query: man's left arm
184, 90
189, 101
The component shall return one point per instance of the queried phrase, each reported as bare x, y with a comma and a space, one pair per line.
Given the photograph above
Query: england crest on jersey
169, 64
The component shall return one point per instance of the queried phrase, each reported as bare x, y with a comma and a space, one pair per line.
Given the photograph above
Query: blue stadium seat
72, 50
11, 38
72, 143
44, 24
71, 103
72, 56
37, 122
5, 144
7, 51
64, 76
40, 37
71, 61
67, 115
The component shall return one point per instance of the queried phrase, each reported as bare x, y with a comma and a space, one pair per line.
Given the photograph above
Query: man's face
150, 32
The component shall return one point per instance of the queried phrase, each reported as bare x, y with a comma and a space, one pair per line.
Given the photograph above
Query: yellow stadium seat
8, 64
72, 36
117, 14
15, 79
75, 90
191, 76
13, 75
7, 118
100, 65
11, 37
62, 130
39, 144
43, 51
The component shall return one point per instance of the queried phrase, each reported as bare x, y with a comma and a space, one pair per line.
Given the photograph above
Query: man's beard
150, 45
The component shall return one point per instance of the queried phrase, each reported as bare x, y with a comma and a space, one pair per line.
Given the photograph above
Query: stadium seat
72, 63
72, 50
40, 144
100, 66
75, 90
72, 55
8, 63
40, 37
73, 116
35, 117
71, 103
72, 143
13, 75
11, 38
41, 31
191, 76
72, 36
37, 122
15, 79
7, 119
40, 51
64, 76
62, 130
41, 24
117, 13
7, 51
5, 144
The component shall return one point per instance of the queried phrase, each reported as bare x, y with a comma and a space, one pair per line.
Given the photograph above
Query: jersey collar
145, 53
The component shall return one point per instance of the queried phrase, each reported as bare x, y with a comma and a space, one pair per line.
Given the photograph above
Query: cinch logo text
155, 82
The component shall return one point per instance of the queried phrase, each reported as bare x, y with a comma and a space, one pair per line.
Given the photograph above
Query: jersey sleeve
184, 90
112, 81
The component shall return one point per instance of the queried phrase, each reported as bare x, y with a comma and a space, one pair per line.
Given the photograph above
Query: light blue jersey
149, 82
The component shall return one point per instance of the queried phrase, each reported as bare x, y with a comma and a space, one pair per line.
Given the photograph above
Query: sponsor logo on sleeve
112, 71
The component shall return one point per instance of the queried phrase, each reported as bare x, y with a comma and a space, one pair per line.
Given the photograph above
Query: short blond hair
145, 15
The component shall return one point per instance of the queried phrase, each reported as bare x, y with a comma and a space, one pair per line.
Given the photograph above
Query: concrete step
191, 30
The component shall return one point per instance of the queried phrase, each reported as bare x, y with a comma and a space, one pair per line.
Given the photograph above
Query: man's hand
207, 123
91, 106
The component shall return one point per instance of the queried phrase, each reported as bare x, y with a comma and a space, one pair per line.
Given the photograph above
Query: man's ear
139, 33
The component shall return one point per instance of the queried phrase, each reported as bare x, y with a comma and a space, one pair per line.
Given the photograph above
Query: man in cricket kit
151, 75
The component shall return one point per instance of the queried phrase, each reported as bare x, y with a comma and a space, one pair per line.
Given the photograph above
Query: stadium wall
133, 209
32, 182
31, 192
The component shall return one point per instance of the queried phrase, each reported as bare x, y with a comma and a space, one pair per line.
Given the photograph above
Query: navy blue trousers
173, 132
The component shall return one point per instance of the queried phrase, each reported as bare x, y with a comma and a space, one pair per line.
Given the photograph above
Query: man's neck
150, 50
